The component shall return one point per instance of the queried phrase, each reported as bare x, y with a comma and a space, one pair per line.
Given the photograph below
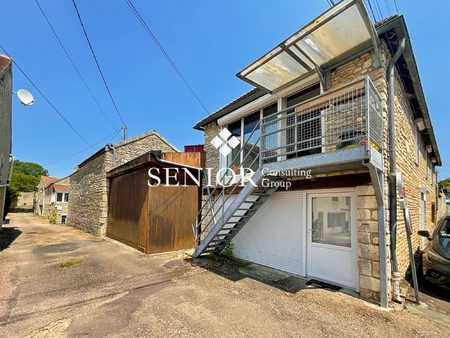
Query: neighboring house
41, 199
52, 198
321, 109
5, 129
88, 207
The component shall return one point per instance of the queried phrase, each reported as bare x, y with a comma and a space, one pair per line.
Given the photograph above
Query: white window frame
55, 197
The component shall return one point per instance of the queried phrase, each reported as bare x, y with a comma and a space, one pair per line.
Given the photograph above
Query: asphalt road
56, 281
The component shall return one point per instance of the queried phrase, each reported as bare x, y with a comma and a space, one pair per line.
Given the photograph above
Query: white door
331, 238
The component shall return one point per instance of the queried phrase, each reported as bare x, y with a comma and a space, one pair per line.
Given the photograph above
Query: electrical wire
83, 150
73, 64
371, 10
379, 9
165, 54
60, 114
396, 7
388, 8
98, 64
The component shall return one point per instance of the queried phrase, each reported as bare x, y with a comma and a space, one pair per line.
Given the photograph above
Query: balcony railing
343, 118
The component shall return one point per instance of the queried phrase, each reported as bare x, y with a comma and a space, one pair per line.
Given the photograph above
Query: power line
371, 10
98, 65
379, 9
60, 114
395, 5
73, 64
388, 8
165, 54
83, 150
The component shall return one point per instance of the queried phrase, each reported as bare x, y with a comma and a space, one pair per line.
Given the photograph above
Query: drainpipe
393, 169
111, 147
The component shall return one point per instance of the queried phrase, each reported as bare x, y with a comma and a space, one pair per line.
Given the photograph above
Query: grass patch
68, 264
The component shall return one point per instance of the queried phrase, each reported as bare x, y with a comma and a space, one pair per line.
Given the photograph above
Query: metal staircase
218, 222
339, 130
236, 215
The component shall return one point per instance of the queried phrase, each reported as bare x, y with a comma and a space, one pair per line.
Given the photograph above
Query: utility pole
124, 129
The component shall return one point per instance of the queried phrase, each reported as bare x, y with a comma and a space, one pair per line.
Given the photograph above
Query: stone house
88, 207
5, 129
314, 198
52, 199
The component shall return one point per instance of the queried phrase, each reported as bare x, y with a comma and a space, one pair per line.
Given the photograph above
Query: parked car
436, 255
447, 200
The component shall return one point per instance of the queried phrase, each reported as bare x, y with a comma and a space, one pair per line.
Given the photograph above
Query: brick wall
88, 202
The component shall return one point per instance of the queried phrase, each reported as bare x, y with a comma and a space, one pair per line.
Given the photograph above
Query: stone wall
442, 209
25, 201
367, 219
88, 202
368, 250
212, 154
5, 129
418, 176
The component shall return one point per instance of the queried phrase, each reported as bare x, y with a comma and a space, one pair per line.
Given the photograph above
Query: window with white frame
62, 197
63, 219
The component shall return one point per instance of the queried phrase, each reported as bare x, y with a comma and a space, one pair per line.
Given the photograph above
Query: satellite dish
25, 97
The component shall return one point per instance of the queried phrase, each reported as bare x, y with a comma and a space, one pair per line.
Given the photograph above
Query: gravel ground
57, 281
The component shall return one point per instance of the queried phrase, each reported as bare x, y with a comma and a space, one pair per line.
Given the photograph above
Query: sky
209, 41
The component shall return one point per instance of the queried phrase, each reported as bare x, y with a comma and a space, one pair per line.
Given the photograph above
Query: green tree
25, 177
445, 182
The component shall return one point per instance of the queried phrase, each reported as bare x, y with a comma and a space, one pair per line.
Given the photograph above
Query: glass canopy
343, 30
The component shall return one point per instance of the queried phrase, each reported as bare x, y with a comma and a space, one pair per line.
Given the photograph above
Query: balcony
339, 130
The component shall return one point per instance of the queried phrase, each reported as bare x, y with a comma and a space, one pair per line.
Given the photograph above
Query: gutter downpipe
393, 170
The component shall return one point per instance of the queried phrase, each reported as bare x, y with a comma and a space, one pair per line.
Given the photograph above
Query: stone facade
46, 203
5, 127
88, 206
420, 176
212, 154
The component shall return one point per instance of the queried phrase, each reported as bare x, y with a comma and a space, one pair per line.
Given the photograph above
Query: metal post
367, 89
124, 129
377, 178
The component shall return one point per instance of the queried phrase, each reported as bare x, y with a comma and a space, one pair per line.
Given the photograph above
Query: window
62, 197
251, 141
331, 223
59, 197
63, 219
233, 159
247, 131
